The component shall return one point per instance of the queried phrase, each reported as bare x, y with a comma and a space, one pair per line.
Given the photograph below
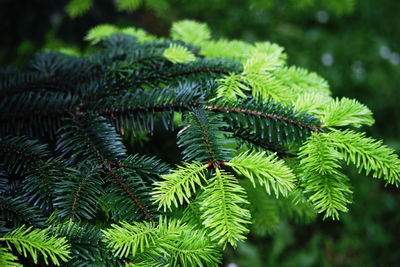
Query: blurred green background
354, 44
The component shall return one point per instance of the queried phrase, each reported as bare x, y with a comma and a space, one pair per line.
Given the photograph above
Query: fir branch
222, 210
268, 171
367, 153
131, 195
203, 138
37, 242
255, 113
178, 186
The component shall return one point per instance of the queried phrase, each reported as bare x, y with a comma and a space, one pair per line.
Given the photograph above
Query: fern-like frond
178, 54
190, 31
346, 112
318, 155
268, 171
99, 32
223, 211
368, 154
38, 242
231, 86
329, 192
178, 186
170, 243
7, 259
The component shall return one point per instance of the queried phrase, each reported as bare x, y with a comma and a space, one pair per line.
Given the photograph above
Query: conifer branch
221, 109
131, 195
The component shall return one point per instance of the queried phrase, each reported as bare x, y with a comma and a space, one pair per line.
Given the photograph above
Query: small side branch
131, 195
311, 128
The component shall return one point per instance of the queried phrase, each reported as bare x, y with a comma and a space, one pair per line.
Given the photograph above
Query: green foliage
77, 8
128, 5
268, 171
178, 54
190, 31
368, 154
222, 209
171, 242
346, 112
99, 32
241, 111
8, 259
177, 187
203, 137
37, 242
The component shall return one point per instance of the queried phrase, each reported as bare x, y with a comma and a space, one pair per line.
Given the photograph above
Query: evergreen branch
89, 138
17, 211
203, 139
318, 155
148, 168
19, 154
328, 188
132, 239
78, 193
178, 186
87, 248
131, 195
178, 54
170, 243
329, 192
191, 72
183, 30
260, 114
269, 171
8, 259
346, 112
367, 153
40, 183
258, 142
222, 211
37, 242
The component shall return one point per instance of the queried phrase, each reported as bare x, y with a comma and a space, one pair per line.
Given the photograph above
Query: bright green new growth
128, 5
178, 186
77, 8
190, 31
100, 32
170, 243
37, 243
178, 54
222, 210
346, 112
245, 119
268, 171
8, 259
367, 154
